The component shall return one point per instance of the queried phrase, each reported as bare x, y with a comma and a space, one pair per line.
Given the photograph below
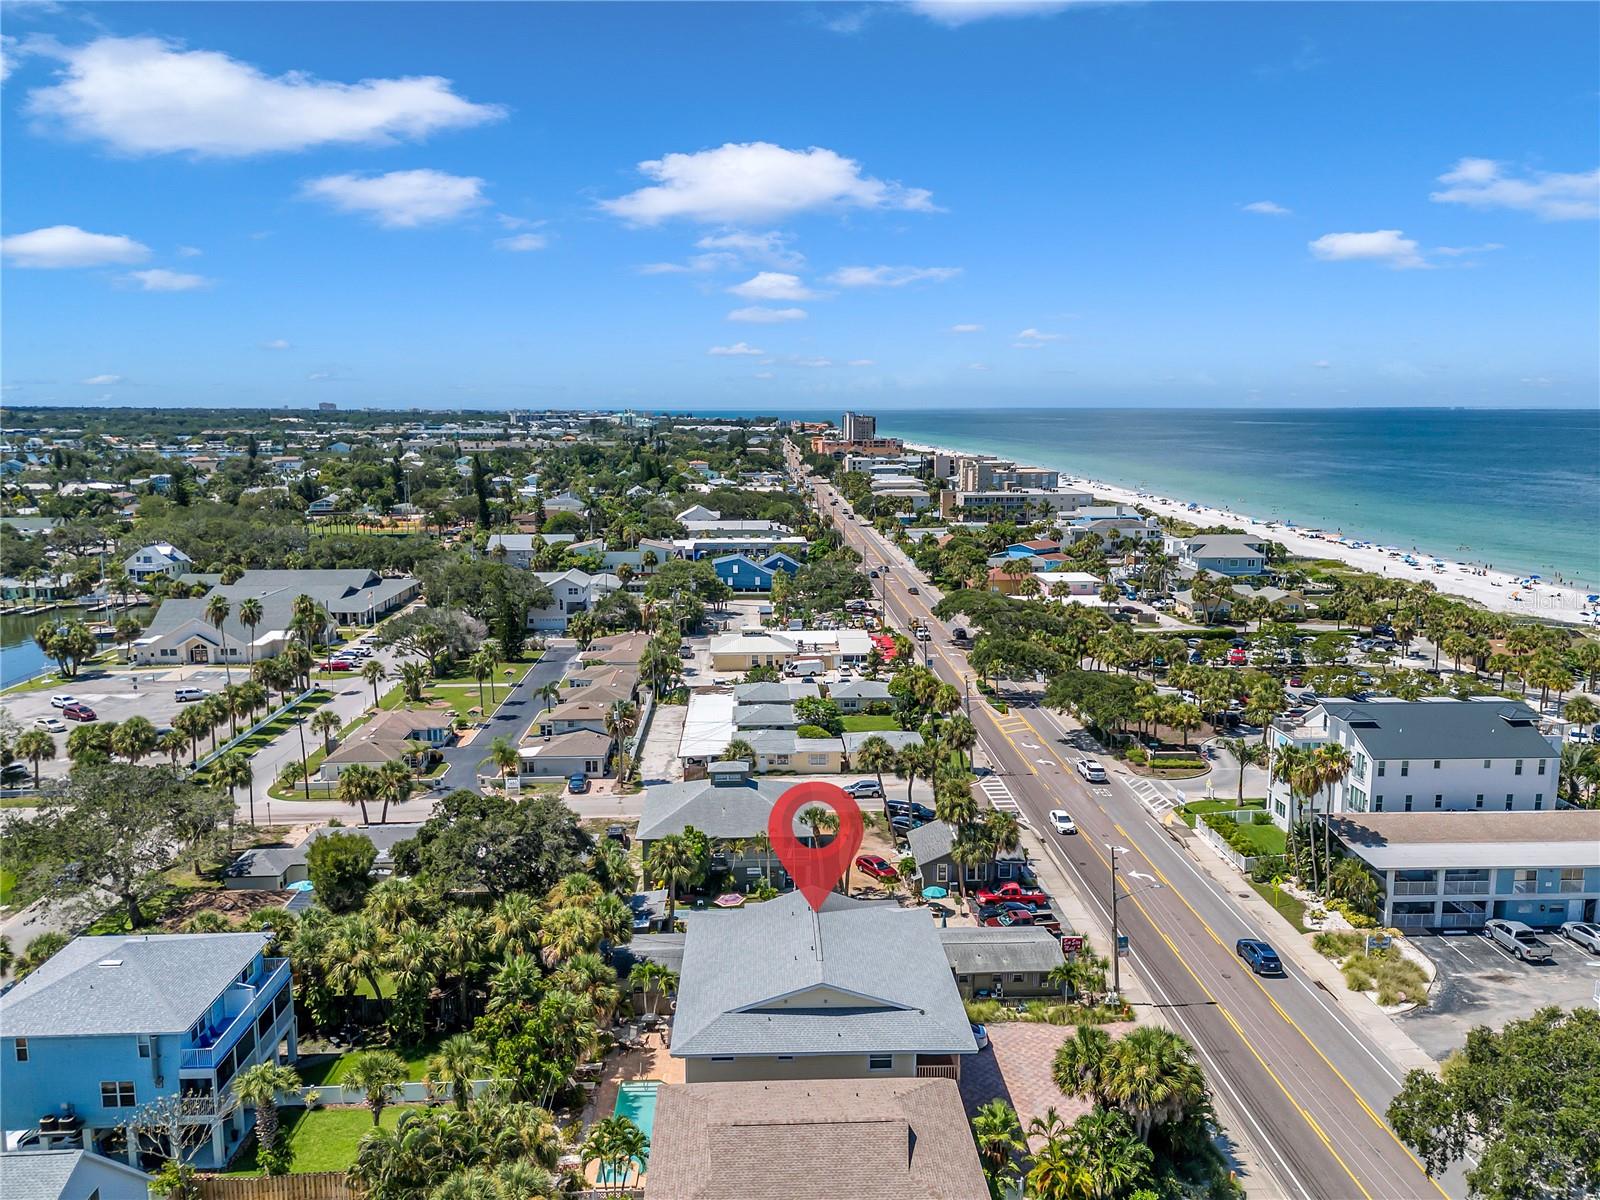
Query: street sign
1071, 943
1122, 945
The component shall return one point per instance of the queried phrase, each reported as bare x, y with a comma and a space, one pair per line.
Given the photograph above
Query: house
580, 752
1219, 553
566, 502
1009, 962
524, 549
180, 633
858, 695
750, 648
1456, 870
784, 750
391, 737
931, 845
1427, 755
110, 1024
741, 574
69, 1175
274, 868
779, 991
781, 691
572, 592
1109, 522
898, 739
587, 710
729, 807
764, 716
158, 558
758, 547
813, 1140
618, 650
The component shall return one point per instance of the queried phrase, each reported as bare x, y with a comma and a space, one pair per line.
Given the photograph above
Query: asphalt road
1306, 1087
511, 720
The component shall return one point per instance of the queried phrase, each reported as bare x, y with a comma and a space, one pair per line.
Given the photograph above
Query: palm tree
1110, 1160
550, 693
325, 723
1246, 754
1582, 712
378, 1075
258, 1088
670, 862
461, 936
740, 750
217, 610
482, 667
233, 771
36, 746
40, 950
1333, 765
358, 783
1082, 1063
654, 980
308, 619
971, 849
875, 755
249, 616
618, 1145
1153, 1078
960, 735
998, 1134
374, 672
622, 720
504, 756
514, 925
394, 785
413, 678
454, 1065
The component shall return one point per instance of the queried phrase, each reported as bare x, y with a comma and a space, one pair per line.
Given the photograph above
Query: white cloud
763, 375
736, 350
68, 246
1267, 208
1462, 251
955, 13
757, 181
1322, 364
813, 362
276, 344
862, 362
1483, 183
966, 329
321, 376
756, 315
977, 366
144, 95
159, 279
771, 247
400, 199
101, 380
1038, 337
522, 242
1388, 246
891, 276
773, 285
190, 252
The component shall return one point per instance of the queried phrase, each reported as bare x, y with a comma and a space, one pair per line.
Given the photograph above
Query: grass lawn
1288, 907
1201, 807
866, 724
30, 800
323, 1139
283, 722
334, 1070
1265, 839
8, 881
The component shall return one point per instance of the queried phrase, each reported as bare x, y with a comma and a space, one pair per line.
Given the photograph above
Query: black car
1263, 959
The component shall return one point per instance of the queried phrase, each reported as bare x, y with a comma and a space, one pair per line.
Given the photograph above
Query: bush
340, 867
1337, 945
1260, 818
1395, 979
812, 731
1269, 867
1136, 754
1357, 918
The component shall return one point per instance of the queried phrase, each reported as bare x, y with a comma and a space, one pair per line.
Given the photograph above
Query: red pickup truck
1012, 890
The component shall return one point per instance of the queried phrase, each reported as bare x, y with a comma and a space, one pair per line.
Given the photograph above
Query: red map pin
815, 869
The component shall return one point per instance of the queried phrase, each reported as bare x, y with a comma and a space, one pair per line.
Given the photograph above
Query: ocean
1517, 490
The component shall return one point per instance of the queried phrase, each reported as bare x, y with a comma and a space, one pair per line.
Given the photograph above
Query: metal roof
1442, 728
1563, 837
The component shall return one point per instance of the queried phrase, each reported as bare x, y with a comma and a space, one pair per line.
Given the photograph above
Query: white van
186, 694
805, 667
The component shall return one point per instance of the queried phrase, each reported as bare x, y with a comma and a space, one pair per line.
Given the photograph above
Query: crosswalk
1153, 798
999, 795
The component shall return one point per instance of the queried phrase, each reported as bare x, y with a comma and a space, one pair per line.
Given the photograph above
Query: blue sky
783, 205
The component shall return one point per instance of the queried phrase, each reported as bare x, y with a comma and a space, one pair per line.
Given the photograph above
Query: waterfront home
1456, 870
69, 1175
996, 961
1219, 553
158, 558
1426, 756
859, 990
759, 1140
110, 1024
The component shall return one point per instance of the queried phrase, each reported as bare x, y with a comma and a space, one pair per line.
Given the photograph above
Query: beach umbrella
729, 900
935, 893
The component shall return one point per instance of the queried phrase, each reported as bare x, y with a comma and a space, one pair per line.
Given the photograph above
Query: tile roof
897, 1139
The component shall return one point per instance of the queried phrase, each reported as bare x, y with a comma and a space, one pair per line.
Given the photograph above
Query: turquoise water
1519, 490
637, 1102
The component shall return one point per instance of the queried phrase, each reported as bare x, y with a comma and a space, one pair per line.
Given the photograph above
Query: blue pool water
637, 1102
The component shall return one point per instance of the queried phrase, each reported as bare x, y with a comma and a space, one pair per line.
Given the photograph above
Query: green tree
875, 755
358, 783
217, 610
998, 1134
374, 673
378, 1075
233, 772
619, 1146
36, 746
671, 862
458, 1060
258, 1088
340, 869
250, 616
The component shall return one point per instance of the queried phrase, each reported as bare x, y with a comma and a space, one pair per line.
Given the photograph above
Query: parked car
1517, 938
1062, 820
79, 712
1237, 657
1091, 770
186, 695
51, 724
864, 789
981, 1036
901, 822
1013, 892
1007, 915
336, 664
1263, 959
578, 784
685, 652
62, 700
876, 866
1582, 933
617, 833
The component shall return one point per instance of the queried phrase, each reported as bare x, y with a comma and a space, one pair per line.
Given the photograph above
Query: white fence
208, 759
1242, 862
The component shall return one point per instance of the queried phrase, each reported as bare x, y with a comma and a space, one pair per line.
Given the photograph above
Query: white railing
1416, 887
261, 724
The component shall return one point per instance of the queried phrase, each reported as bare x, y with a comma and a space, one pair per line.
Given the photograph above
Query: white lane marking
1456, 949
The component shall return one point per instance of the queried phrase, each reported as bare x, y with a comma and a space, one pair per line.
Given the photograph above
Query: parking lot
148, 694
1481, 984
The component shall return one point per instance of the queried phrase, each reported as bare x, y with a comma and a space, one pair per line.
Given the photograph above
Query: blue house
110, 1024
742, 575
779, 561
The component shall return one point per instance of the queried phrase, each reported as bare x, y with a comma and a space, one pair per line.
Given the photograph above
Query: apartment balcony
212, 1044
1477, 887
1416, 887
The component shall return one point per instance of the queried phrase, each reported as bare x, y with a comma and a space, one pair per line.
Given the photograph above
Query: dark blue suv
1263, 959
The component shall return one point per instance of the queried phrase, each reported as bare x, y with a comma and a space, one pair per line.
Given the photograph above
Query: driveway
511, 720
1481, 984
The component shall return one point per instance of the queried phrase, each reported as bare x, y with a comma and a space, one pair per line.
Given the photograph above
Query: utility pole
305, 773
1116, 941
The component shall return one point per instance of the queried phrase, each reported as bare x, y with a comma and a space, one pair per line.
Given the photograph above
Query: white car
1582, 933
1062, 820
51, 724
1091, 770
62, 700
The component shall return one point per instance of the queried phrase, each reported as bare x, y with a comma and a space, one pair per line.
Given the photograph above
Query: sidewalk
1359, 1008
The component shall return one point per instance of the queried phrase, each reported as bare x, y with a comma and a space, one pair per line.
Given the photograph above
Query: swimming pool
637, 1102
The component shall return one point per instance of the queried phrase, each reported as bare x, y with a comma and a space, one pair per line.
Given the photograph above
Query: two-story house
159, 558
1426, 756
859, 990
111, 1024
571, 592
1219, 553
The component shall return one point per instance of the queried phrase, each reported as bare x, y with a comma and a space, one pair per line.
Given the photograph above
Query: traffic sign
1122, 945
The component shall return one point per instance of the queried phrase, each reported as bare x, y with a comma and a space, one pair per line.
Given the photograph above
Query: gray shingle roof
44, 1175
898, 739
975, 950
776, 978
764, 716
898, 1139
162, 983
780, 692
1444, 728
860, 689
931, 842
730, 811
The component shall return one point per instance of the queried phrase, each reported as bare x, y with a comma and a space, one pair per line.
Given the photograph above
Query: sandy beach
1499, 591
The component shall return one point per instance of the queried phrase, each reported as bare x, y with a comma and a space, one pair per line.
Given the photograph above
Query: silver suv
1519, 939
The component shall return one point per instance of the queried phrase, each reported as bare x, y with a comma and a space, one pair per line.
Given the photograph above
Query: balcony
938, 1066
1416, 887
1466, 887
212, 1044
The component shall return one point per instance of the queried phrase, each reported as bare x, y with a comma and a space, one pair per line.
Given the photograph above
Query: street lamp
305, 772
1116, 941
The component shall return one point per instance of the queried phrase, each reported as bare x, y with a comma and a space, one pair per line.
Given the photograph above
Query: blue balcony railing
213, 1044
